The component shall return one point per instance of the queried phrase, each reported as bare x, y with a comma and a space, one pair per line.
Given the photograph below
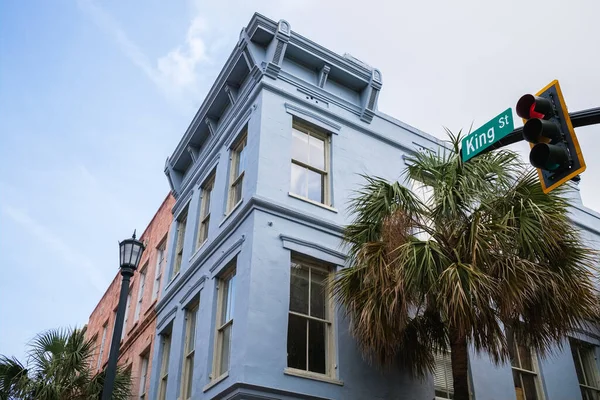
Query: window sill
173, 279
316, 203
198, 249
151, 306
231, 212
215, 382
312, 375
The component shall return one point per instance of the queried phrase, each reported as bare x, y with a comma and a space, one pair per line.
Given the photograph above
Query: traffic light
555, 151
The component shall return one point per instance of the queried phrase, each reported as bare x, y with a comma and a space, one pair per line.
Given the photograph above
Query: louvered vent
278, 51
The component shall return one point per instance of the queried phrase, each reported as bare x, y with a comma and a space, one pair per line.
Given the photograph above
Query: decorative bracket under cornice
370, 96
323, 73
173, 177
194, 151
276, 49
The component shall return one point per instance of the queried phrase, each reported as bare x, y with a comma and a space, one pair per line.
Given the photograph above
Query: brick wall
139, 335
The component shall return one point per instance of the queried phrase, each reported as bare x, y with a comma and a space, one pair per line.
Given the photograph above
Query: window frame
141, 287
224, 281
204, 213
330, 351
325, 173
126, 317
160, 263
102, 345
535, 372
145, 362
577, 346
187, 373
180, 241
234, 157
163, 377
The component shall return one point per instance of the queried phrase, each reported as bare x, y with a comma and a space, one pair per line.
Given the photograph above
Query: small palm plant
487, 252
58, 368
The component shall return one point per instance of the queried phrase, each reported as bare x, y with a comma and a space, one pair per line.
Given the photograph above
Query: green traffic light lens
548, 157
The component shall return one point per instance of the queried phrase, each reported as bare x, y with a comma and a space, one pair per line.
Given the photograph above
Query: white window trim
330, 355
160, 263
535, 372
326, 137
220, 325
142, 285
126, 318
163, 378
102, 345
143, 375
204, 214
236, 148
187, 373
448, 384
578, 346
179, 241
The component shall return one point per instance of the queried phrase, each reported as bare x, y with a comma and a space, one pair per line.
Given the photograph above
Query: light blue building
262, 177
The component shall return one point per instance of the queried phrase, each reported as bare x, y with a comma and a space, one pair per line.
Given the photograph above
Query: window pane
299, 180
529, 386
578, 369
317, 293
317, 346
315, 186
511, 350
191, 343
206, 202
226, 343
163, 391
299, 289
237, 192
299, 146
230, 299
317, 152
242, 159
190, 377
204, 231
589, 394
225, 302
526, 358
296, 342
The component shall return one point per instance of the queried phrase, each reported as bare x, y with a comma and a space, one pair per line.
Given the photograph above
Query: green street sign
488, 134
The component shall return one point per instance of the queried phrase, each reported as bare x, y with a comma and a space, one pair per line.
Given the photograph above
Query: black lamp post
130, 251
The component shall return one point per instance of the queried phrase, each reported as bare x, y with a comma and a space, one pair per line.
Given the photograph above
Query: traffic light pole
587, 117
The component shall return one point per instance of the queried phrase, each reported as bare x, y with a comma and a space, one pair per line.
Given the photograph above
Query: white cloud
52, 241
176, 73
179, 66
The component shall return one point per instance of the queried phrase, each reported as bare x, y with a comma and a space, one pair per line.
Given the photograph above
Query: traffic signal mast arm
579, 118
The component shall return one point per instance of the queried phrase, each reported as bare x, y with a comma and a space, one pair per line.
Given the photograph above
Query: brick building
140, 318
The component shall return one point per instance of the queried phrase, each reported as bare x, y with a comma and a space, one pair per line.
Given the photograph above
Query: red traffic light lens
530, 106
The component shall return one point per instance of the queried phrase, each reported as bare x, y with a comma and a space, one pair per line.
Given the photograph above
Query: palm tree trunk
460, 375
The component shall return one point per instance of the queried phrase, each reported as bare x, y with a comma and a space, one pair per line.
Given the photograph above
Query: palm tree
485, 253
58, 368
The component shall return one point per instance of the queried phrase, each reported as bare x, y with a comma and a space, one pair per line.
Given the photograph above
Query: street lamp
130, 253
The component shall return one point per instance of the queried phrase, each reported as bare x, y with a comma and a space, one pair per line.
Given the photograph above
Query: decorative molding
246, 391
168, 317
182, 203
194, 290
296, 244
231, 93
313, 94
323, 75
212, 125
316, 118
227, 253
193, 150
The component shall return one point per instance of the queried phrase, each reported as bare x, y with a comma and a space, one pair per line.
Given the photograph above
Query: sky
96, 94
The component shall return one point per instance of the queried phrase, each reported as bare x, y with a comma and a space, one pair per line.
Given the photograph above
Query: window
160, 263
207, 188
310, 330
102, 344
126, 315
143, 375
142, 279
310, 163
442, 377
226, 288
189, 348
587, 370
524, 369
181, 223
164, 366
236, 173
